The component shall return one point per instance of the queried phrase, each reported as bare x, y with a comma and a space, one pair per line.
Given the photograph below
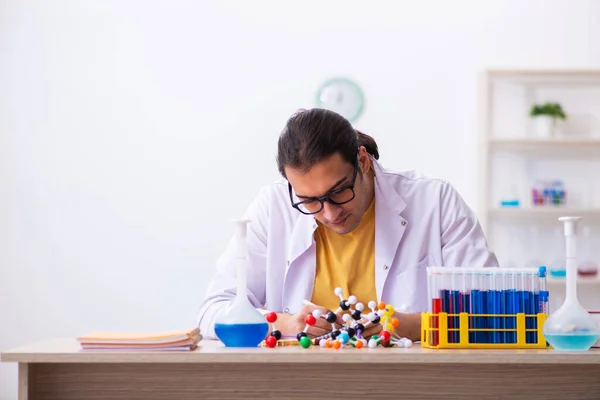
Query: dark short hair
310, 136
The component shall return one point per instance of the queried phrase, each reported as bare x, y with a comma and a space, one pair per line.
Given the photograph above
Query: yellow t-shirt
346, 261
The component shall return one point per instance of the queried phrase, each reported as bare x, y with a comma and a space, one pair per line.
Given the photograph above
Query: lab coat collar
300, 271
385, 192
389, 226
302, 237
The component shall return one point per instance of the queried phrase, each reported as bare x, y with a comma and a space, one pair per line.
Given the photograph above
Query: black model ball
360, 327
331, 317
277, 334
344, 305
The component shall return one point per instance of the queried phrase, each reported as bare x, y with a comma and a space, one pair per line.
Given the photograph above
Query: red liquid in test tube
436, 305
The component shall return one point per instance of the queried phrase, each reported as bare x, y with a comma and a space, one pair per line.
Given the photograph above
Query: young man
338, 219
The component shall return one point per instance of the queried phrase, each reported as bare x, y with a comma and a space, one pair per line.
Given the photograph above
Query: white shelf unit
512, 159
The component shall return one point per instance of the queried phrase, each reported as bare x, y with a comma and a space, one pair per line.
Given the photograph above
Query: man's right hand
292, 324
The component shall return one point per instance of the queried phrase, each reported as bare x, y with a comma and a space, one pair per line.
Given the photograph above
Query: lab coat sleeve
463, 242
222, 287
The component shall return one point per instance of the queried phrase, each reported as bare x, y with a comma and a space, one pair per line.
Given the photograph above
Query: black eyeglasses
336, 197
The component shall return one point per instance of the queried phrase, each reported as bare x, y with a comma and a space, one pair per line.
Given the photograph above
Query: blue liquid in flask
242, 335
572, 341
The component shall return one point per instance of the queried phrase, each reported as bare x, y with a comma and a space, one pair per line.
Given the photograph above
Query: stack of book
174, 340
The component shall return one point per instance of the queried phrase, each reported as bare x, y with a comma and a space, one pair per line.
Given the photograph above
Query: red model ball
271, 317
385, 335
271, 341
310, 320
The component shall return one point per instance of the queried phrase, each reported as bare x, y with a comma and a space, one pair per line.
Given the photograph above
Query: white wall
115, 118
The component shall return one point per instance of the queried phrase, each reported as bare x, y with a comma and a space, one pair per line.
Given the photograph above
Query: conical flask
241, 324
571, 328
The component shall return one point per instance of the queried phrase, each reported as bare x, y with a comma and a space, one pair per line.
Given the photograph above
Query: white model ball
360, 306
372, 305
352, 299
381, 313
338, 291
372, 343
316, 314
346, 317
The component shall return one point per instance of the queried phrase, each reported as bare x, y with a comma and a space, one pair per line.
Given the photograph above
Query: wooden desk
57, 369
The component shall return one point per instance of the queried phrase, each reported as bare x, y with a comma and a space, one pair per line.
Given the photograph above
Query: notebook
182, 339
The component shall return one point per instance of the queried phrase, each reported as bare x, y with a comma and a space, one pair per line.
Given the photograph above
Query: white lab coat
419, 222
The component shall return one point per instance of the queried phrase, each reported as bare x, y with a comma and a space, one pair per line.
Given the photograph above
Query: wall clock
342, 96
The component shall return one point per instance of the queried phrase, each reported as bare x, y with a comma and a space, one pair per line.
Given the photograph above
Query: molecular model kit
350, 334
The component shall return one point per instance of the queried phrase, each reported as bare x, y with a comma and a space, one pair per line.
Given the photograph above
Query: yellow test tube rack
435, 331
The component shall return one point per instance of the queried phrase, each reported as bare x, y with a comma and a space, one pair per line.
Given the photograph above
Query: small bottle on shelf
558, 193
512, 199
537, 193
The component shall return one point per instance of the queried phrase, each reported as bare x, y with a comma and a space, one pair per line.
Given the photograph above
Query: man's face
327, 177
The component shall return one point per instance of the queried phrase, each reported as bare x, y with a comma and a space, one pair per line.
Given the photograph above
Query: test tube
465, 297
492, 306
543, 308
519, 297
498, 301
533, 304
536, 299
446, 278
512, 305
525, 302
436, 304
473, 320
455, 303
484, 290
476, 305
502, 277
429, 290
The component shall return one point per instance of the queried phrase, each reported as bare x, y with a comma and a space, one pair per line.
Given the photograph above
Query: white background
116, 118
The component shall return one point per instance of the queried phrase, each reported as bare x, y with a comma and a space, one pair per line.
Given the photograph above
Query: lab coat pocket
426, 262
411, 286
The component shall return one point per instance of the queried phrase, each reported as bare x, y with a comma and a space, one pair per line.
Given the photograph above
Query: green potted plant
546, 116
